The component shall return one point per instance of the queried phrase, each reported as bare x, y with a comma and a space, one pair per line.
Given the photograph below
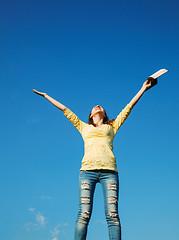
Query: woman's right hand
39, 93
53, 101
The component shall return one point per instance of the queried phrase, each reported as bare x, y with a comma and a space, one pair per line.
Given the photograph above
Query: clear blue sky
84, 53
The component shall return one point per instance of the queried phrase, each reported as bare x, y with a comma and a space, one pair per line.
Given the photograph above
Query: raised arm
146, 85
53, 101
67, 112
126, 111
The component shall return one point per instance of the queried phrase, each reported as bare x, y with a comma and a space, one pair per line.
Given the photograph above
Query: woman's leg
110, 186
87, 183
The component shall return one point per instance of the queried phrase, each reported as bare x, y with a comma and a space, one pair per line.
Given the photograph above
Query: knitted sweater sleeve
74, 119
123, 115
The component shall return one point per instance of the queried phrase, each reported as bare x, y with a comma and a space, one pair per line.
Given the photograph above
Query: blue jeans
110, 186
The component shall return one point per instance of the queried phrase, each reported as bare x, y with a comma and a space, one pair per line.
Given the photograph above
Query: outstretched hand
149, 83
39, 93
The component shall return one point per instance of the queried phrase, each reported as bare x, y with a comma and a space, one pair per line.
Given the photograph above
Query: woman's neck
97, 120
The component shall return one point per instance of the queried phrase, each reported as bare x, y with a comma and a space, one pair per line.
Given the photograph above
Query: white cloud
31, 209
31, 226
65, 224
40, 220
55, 233
46, 197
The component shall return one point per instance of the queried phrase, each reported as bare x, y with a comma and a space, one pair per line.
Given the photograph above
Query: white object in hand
159, 73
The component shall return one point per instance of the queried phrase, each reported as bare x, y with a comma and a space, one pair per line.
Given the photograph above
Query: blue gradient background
84, 53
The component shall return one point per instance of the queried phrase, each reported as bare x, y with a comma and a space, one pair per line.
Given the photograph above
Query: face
97, 109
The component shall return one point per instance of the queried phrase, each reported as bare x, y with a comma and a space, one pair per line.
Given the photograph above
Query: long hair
105, 119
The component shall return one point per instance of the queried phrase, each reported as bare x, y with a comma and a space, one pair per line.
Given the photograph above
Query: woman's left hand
149, 83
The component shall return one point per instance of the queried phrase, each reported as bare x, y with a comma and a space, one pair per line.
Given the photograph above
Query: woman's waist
98, 146
98, 141
100, 170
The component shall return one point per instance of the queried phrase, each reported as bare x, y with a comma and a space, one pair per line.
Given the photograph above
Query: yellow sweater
98, 141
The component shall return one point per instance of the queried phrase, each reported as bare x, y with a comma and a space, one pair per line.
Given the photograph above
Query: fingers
147, 83
39, 93
35, 91
150, 82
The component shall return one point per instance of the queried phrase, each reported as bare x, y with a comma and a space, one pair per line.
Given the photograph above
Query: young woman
98, 163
